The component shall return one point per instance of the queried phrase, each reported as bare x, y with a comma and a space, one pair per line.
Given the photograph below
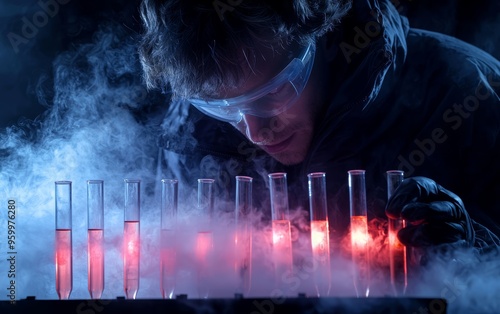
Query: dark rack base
237, 305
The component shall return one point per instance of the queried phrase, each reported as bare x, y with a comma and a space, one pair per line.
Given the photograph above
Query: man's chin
289, 158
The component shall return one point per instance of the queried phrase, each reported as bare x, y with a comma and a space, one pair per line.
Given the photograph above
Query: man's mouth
278, 147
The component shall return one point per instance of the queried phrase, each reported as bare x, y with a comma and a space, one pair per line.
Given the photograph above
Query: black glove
434, 215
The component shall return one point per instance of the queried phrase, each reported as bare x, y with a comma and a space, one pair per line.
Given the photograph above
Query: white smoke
88, 132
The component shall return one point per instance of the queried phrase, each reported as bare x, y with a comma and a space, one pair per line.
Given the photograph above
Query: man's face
275, 105
288, 135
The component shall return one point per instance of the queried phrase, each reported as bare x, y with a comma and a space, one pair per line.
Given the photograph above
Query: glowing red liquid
64, 263
204, 254
320, 241
282, 252
360, 254
95, 263
168, 261
131, 256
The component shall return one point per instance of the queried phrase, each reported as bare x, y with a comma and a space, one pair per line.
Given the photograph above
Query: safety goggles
267, 101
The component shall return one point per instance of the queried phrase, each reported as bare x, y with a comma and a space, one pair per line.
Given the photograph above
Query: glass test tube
169, 200
397, 251
204, 240
282, 242
64, 248
95, 241
320, 238
131, 238
243, 240
359, 232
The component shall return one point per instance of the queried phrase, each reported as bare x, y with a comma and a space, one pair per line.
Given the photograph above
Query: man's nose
257, 129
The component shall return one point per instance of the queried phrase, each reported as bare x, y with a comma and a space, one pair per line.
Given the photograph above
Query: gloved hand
433, 215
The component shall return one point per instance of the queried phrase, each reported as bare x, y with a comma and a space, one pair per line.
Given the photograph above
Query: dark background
27, 63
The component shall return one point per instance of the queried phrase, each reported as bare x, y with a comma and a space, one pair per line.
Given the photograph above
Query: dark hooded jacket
404, 99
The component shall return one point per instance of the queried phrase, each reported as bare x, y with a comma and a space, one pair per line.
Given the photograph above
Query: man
333, 86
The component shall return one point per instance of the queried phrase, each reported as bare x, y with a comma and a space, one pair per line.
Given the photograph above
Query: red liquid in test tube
204, 256
95, 263
63, 245
359, 232
360, 254
204, 244
320, 242
360, 239
131, 256
320, 236
131, 239
64, 263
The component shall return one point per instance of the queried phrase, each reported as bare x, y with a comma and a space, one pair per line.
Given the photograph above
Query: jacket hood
371, 51
371, 47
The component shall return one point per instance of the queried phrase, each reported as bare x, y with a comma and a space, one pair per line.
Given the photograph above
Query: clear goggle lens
269, 100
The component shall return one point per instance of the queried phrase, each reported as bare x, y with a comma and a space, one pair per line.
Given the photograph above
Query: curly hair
195, 47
